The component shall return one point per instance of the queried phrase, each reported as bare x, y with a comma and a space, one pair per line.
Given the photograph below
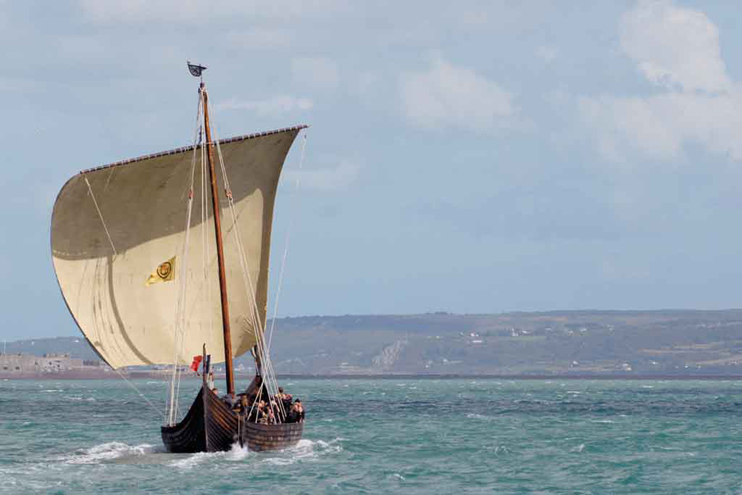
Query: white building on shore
28, 363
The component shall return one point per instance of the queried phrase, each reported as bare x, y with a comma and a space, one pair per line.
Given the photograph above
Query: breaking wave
305, 450
110, 451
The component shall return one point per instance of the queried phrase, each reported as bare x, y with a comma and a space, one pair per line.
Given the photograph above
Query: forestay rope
180, 324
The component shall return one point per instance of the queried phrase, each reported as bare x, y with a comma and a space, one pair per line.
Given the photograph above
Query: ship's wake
112, 452
305, 450
122, 453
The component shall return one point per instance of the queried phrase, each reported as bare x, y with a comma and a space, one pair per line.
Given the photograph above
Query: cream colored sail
106, 247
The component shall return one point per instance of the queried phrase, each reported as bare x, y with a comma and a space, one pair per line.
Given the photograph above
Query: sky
470, 157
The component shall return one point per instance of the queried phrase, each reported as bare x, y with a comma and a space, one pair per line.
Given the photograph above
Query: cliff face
580, 342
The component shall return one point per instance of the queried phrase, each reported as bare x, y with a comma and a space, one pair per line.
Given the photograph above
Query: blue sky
472, 157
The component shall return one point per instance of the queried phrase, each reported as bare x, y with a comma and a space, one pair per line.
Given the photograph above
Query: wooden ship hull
212, 426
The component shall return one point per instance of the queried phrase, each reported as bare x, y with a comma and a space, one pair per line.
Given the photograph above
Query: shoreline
159, 376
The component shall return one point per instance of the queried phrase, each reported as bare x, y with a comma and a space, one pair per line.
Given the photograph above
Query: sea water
388, 436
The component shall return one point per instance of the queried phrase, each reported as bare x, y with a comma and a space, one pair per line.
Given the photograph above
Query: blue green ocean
389, 436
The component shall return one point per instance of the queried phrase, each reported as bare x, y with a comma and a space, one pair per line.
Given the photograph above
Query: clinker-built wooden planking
211, 426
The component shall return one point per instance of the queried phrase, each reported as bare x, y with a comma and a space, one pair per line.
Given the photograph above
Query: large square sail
117, 228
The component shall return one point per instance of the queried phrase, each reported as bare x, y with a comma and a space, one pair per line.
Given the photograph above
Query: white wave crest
235, 454
109, 451
480, 416
305, 450
194, 460
501, 449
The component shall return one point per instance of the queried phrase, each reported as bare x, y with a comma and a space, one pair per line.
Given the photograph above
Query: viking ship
164, 257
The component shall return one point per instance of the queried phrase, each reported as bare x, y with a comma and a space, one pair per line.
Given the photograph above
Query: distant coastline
663, 344
143, 375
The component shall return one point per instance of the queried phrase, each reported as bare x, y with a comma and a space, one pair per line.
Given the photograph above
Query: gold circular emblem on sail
164, 270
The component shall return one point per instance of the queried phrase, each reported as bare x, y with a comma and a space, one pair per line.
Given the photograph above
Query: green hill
574, 342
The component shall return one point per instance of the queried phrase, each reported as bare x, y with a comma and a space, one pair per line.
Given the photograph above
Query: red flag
196, 362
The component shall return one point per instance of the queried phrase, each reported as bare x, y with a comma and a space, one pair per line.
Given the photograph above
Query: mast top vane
196, 70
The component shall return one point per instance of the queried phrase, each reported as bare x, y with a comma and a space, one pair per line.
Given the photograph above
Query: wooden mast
219, 246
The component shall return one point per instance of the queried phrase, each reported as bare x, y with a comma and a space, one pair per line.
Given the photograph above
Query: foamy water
110, 451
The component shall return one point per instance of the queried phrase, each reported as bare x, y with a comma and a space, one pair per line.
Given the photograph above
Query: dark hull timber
211, 426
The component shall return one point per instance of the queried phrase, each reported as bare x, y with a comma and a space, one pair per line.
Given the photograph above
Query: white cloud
449, 96
660, 125
677, 50
276, 106
321, 73
674, 47
325, 179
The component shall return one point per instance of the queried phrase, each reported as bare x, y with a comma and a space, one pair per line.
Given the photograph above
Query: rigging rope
286, 245
140, 394
101, 216
102, 220
258, 324
179, 334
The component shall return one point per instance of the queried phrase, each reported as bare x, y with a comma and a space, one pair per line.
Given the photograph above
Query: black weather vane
196, 70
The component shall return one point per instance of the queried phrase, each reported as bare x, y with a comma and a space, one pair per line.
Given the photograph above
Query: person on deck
210, 380
284, 398
291, 416
261, 415
231, 400
299, 410
296, 413
275, 408
253, 412
265, 414
271, 416
216, 391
